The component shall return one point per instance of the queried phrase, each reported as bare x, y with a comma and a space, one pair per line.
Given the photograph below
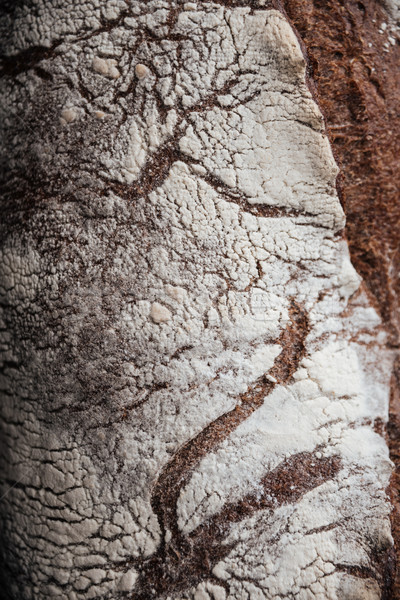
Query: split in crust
195, 377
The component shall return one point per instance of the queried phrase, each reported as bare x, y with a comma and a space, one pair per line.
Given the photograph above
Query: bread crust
356, 82
194, 375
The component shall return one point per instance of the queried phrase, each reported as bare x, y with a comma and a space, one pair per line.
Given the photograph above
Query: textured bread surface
195, 378
357, 77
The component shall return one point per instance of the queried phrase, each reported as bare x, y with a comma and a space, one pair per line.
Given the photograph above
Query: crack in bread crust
186, 560
194, 381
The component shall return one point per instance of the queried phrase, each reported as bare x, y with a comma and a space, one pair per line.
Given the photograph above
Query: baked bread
195, 377
357, 81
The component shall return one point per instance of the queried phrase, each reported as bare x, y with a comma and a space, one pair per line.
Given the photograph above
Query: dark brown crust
356, 82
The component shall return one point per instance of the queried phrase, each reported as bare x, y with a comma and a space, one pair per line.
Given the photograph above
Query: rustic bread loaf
195, 377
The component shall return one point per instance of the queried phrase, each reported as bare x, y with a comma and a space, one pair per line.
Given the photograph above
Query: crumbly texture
357, 82
193, 377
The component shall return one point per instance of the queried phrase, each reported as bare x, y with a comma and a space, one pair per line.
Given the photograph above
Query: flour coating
192, 370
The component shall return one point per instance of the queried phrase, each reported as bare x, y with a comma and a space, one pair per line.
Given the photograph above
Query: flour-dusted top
194, 378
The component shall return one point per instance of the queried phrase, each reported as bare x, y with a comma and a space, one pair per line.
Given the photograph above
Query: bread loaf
195, 378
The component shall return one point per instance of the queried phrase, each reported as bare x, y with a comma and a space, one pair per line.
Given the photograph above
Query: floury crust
194, 381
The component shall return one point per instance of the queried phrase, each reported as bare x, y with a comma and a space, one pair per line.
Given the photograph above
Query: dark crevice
184, 560
26, 59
